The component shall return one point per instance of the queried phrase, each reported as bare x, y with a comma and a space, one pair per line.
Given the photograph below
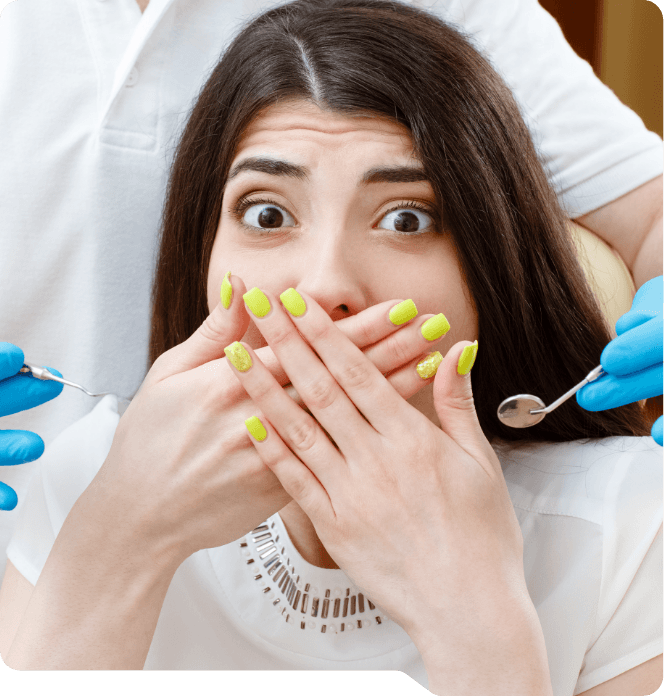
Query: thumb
647, 303
227, 322
453, 398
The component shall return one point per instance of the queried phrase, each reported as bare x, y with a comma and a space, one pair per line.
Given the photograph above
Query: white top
92, 97
591, 516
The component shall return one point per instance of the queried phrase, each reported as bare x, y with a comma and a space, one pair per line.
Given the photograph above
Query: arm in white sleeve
595, 148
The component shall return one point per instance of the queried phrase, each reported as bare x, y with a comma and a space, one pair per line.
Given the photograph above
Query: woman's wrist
97, 600
501, 654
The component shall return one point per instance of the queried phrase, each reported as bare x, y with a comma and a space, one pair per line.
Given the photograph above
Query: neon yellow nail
239, 356
467, 359
226, 291
256, 428
403, 312
429, 366
293, 302
435, 327
257, 302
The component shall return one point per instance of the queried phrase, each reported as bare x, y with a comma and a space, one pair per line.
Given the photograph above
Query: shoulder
583, 478
73, 459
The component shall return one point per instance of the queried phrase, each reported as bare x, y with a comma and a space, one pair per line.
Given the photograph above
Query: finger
296, 478
399, 356
386, 344
635, 349
374, 324
8, 497
646, 304
322, 392
11, 360
404, 346
656, 431
454, 401
358, 378
19, 447
410, 379
406, 381
224, 325
303, 435
24, 391
611, 391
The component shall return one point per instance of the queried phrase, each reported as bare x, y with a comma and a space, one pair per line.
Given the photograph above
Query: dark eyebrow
394, 175
267, 165
377, 175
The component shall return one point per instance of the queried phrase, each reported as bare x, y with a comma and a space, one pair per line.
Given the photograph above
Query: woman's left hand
420, 518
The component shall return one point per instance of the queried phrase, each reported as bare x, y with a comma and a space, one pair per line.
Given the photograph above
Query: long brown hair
541, 329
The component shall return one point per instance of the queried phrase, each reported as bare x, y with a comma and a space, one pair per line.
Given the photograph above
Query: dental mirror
524, 410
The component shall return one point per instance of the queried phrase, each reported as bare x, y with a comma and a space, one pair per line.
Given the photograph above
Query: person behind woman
354, 152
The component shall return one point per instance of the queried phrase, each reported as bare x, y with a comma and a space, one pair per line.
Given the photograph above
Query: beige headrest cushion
607, 274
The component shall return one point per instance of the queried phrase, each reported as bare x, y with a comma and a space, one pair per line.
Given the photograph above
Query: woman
342, 155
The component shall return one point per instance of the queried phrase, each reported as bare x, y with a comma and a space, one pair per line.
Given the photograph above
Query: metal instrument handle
590, 377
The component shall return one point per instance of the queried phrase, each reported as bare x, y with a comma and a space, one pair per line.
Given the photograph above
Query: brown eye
266, 216
406, 221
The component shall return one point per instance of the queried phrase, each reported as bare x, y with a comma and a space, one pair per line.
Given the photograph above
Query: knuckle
463, 401
400, 352
297, 489
364, 332
302, 435
356, 375
319, 331
263, 389
320, 394
213, 328
281, 335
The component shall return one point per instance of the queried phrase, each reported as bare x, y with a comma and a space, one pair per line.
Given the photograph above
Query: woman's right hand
181, 471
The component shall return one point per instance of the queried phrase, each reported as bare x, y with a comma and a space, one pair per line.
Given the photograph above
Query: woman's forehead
303, 128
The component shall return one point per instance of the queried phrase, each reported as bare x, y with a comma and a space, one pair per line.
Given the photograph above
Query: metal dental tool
44, 374
524, 410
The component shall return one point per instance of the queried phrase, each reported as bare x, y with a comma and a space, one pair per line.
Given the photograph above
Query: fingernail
435, 327
429, 366
226, 291
239, 356
403, 312
467, 359
256, 428
293, 302
257, 302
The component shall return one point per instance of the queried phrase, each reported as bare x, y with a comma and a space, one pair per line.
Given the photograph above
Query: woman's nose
333, 275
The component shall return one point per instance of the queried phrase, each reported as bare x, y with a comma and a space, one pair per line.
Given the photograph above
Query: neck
303, 535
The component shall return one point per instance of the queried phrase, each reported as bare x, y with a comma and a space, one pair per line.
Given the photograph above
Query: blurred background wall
622, 40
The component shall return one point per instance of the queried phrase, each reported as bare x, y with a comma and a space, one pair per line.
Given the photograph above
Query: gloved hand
633, 360
19, 392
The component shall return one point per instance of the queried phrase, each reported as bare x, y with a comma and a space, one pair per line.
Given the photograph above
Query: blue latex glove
633, 360
19, 392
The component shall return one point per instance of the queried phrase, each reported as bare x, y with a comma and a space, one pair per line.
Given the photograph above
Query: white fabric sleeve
594, 148
68, 466
33, 535
628, 624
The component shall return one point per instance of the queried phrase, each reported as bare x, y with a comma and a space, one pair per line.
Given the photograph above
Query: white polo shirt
92, 97
590, 512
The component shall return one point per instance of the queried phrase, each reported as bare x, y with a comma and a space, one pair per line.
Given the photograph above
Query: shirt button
132, 78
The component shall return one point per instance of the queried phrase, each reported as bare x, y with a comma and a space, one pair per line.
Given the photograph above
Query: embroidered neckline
334, 610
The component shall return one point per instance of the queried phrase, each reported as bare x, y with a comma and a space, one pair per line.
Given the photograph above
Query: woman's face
337, 206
